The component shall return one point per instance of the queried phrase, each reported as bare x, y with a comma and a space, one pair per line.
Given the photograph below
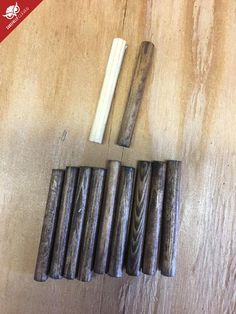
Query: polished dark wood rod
77, 223
86, 258
49, 225
138, 219
106, 219
170, 219
121, 219
135, 94
59, 248
154, 216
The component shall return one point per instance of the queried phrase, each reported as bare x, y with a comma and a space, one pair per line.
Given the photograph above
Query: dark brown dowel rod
121, 219
59, 248
77, 223
170, 219
135, 94
154, 216
86, 258
106, 219
49, 226
138, 219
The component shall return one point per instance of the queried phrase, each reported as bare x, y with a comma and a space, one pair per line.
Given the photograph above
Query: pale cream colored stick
108, 88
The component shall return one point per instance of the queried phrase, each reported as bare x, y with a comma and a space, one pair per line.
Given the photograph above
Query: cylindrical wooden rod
135, 94
121, 219
49, 225
154, 216
86, 257
106, 219
108, 88
77, 223
170, 219
59, 248
138, 219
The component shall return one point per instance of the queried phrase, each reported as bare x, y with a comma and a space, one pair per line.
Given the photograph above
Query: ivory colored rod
49, 225
170, 219
135, 94
106, 219
108, 88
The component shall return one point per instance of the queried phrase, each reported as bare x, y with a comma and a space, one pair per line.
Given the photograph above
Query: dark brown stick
49, 225
170, 219
105, 223
86, 258
120, 228
138, 219
154, 216
59, 248
77, 223
135, 94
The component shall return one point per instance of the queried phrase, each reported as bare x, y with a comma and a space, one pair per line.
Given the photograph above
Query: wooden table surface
52, 67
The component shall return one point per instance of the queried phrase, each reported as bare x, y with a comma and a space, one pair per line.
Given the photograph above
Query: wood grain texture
63, 223
170, 220
138, 218
121, 222
77, 223
49, 225
106, 218
52, 69
154, 219
135, 94
86, 258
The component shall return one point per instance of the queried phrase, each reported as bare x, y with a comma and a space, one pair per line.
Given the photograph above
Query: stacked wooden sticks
103, 221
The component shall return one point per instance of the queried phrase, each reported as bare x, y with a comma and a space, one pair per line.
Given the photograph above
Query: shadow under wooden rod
170, 219
49, 225
135, 94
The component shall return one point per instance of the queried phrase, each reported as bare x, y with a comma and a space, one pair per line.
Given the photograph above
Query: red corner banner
12, 13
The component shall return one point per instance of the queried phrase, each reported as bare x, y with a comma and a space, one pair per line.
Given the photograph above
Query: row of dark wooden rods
103, 221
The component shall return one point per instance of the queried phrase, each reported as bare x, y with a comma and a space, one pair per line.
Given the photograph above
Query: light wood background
52, 68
